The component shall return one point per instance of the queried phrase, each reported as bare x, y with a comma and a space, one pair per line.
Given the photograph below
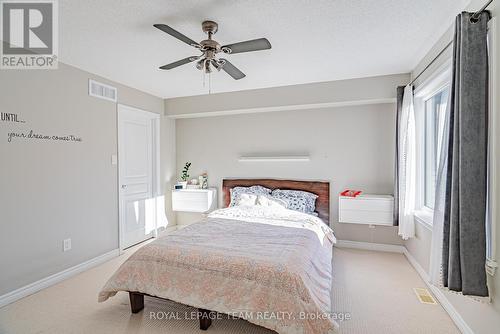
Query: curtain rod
475, 16
432, 62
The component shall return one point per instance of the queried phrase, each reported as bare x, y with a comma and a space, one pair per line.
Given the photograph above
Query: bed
270, 266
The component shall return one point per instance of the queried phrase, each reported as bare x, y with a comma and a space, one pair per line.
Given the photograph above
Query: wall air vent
102, 91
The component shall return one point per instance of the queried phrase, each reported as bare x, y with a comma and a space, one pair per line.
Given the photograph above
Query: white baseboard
171, 228
29, 289
370, 246
168, 230
445, 303
65, 274
421, 271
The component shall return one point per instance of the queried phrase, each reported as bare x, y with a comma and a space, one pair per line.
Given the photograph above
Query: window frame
493, 213
435, 124
438, 81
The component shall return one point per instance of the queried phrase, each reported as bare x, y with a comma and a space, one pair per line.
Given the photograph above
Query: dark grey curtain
464, 228
399, 103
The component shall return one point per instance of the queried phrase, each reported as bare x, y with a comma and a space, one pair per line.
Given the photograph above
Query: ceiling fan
210, 48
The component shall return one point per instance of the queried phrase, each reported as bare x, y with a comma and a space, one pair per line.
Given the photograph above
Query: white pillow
298, 200
268, 201
246, 199
255, 190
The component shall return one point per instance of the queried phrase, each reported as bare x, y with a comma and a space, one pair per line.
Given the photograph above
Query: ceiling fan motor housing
210, 45
210, 28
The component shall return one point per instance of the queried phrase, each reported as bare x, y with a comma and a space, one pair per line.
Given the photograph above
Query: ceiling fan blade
247, 46
232, 70
179, 63
176, 34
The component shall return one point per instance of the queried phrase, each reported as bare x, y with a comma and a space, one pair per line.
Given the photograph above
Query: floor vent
424, 296
102, 91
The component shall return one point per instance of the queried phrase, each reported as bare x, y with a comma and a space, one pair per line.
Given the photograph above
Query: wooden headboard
320, 188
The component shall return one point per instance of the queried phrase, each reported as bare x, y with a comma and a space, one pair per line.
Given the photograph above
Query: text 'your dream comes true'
35, 136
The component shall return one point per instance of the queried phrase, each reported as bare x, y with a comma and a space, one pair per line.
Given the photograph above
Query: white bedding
277, 216
243, 261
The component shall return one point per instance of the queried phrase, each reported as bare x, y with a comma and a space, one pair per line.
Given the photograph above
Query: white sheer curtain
439, 203
406, 165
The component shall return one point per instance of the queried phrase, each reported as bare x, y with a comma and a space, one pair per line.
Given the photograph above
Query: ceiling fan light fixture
200, 64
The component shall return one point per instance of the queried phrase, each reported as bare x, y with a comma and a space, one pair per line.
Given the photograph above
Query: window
493, 158
431, 101
434, 115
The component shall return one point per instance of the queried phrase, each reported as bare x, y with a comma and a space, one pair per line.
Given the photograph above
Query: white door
136, 147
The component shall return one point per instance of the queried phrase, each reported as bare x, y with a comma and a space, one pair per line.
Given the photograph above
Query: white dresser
367, 209
194, 200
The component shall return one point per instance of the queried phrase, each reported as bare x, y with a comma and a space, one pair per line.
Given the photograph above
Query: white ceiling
312, 41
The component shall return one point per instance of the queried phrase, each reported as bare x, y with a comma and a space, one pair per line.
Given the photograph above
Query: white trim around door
153, 155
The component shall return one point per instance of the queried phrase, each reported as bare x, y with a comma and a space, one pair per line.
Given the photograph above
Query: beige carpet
375, 288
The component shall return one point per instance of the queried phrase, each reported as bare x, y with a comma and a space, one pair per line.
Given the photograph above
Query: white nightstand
367, 209
194, 200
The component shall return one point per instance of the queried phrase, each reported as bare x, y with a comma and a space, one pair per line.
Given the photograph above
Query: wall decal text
9, 117
34, 136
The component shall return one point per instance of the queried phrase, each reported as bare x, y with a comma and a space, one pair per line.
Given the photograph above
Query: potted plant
185, 175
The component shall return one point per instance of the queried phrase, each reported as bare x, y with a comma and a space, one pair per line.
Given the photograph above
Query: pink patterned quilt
272, 267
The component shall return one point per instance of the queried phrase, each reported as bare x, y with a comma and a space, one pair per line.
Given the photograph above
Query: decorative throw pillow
246, 199
255, 190
297, 200
272, 202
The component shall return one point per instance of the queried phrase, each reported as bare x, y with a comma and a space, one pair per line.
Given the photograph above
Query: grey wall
50, 190
420, 246
482, 318
352, 147
168, 173
341, 91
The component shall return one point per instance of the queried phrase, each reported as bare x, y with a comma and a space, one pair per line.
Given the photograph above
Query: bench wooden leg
136, 301
205, 320
137, 305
